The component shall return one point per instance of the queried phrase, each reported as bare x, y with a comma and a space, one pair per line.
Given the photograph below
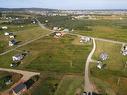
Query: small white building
124, 50
85, 39
17, 57
4, 27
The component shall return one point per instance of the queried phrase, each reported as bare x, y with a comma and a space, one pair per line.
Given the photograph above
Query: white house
84, 39
124, 50
12, 42
4, 27
17, 57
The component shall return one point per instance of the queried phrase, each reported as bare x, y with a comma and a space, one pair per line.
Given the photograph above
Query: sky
65, 4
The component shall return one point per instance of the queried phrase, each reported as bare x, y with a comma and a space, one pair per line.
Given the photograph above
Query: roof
18, 55
19, 88
13, 41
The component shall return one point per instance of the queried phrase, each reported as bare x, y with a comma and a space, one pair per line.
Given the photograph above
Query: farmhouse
19, 89
103, 56
84, 39
12, 42
17, 57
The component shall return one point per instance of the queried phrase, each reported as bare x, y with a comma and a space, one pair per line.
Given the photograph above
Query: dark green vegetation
113, 78
65, 22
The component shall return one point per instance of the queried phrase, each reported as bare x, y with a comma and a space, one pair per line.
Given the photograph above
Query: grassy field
70, 85
58, 55
27, 33
106, 32
112, 78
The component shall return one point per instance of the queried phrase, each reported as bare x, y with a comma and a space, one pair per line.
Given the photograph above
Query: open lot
57, 55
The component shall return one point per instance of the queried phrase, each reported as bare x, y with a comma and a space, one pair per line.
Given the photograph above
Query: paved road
88, 85
28, 42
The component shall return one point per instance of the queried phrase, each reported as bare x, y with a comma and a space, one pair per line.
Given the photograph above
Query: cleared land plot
59, 55
112, 78
70, 85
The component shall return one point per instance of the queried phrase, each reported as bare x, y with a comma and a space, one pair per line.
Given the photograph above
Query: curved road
88, 85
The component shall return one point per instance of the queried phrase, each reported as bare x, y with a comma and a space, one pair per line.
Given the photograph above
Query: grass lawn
107, 80
70, 85
58, 55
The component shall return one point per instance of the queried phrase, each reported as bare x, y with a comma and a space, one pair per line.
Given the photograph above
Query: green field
58, 55
70, 85
107, 79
